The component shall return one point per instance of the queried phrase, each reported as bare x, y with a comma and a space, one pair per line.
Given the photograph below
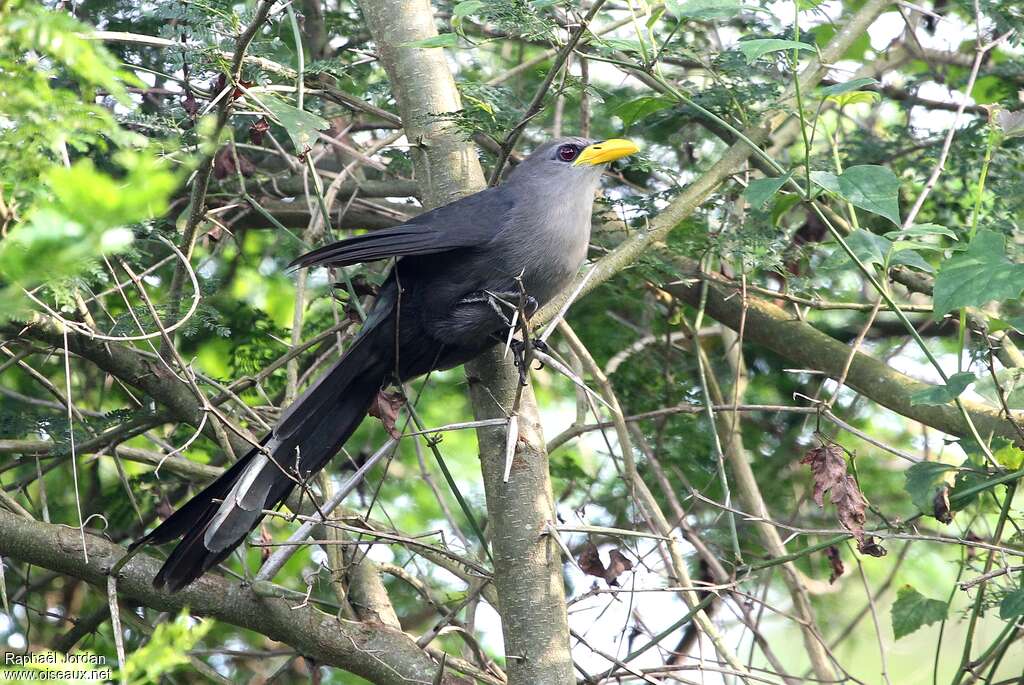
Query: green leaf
910, 245
706, 9
85, 218
980, 274
971, 476
911, 610
760, 190
300, 124
869, 247
467, 8
849, 86
1010, 382
622, 44
782, 206
445, 40
873, 188
635, 110
870, 187
996, 324
912, 259
166, 650
922, 231
1008, 455
857, 97
941, 394
1012, 605
923, 481
60, 37
97, 200
759, 47
826, 180
482, 105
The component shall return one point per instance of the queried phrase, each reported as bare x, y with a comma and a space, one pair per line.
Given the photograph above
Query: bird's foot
505, 305
519, 354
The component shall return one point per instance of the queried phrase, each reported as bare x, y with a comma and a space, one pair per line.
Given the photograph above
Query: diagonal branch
807, 347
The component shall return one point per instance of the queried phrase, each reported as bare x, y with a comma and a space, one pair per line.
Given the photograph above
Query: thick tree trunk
527, 563
527, 566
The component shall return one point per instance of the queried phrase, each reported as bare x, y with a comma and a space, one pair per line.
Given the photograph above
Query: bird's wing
469, 222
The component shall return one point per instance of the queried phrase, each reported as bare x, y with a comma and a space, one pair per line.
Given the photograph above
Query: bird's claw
518, 348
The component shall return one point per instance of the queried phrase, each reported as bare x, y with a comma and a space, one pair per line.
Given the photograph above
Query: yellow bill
606, 151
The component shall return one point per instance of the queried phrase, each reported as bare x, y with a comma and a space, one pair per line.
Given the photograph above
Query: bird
459, 275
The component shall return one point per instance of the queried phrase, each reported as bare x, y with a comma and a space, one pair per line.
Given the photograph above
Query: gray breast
550, 235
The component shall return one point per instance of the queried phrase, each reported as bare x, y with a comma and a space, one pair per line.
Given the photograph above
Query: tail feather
214, 522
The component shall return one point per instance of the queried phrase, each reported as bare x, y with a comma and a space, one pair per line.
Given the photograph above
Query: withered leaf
243, 84
835, 562
940, 505
189, 104
256, 131
386, 407
870, 547
618, 564
590, 561
266, 540
223, 164
245, 165
828, 466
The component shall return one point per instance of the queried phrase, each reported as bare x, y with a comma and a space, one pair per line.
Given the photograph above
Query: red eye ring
567, 153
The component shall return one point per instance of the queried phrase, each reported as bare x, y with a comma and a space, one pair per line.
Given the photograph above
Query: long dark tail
311, 431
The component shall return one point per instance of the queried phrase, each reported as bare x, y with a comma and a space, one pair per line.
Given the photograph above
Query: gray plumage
435, 310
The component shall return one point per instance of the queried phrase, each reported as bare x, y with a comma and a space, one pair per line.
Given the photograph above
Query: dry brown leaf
257, 130
189, 104
266, 540
870, 547
224, 164
835, 562
590, 561
617, 565
386, 407
940, 505
828, 466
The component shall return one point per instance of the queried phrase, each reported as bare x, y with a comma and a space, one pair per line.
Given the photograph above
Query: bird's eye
567, 153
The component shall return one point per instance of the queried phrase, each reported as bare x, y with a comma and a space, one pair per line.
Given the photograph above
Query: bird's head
572, 160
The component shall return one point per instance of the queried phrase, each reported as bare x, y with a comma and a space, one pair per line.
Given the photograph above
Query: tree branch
123, 362
806, 346
380, 654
